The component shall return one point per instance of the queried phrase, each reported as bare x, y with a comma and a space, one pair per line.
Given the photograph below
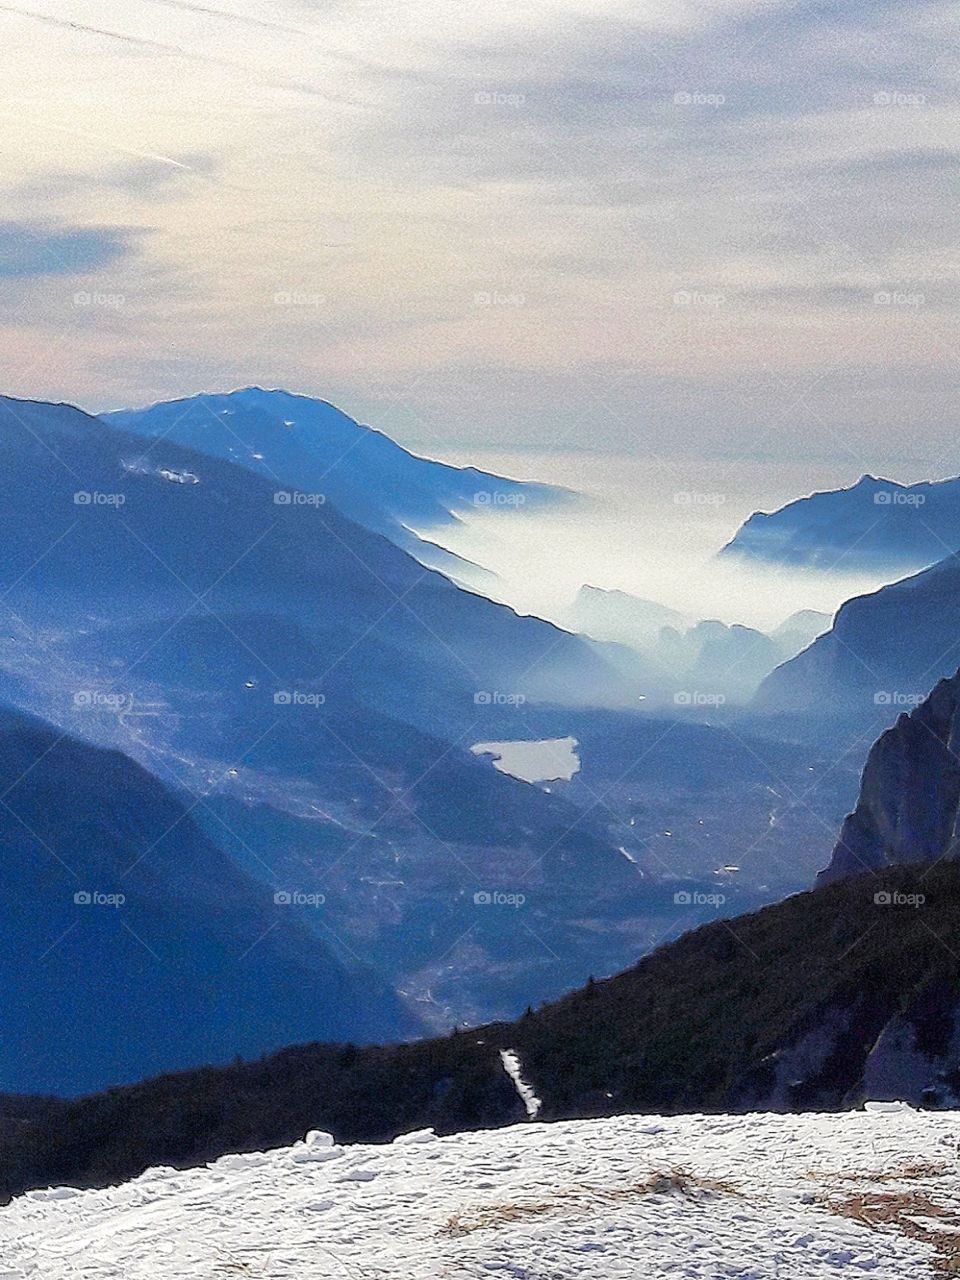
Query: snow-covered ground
871, 1193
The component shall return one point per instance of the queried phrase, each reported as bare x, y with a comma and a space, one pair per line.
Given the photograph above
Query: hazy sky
643, 227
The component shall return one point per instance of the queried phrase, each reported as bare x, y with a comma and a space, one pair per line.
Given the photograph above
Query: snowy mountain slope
312, 446
758, 1197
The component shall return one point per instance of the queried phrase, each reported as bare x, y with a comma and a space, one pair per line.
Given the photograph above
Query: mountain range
312, 448
874, 526
685, 658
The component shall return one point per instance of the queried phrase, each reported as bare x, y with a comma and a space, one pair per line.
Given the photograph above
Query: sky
659, 227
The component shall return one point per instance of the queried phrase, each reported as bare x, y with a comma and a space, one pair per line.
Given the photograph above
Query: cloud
31, 250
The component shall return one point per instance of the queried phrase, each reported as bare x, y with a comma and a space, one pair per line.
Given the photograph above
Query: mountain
882, 654
844, 993
311, 692
763, 1197
908, 810
131, 944
876, 526
310, 447
621, 617
688, 663
800, 629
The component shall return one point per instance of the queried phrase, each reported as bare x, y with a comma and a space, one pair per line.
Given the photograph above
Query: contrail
145, 42
94, 137
243, 18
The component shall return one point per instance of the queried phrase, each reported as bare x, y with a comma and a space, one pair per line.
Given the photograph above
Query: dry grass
672, 1182
901, 1210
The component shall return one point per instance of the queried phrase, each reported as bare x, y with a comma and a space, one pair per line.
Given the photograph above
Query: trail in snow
762, 1197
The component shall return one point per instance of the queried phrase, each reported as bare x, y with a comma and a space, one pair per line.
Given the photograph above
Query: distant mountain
882, 654
311, 447
876, 526
131, 944
690, 663
908, 810
799, 630
847, 993
622, 617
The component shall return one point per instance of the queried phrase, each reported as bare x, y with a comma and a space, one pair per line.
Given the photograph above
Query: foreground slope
844, 993
765, 1197
130, 944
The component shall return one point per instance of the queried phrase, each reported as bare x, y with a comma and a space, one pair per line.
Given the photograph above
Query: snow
511, 1065
686, 1198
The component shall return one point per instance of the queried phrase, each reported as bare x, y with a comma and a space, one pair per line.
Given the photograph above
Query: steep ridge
883, 653
908, 809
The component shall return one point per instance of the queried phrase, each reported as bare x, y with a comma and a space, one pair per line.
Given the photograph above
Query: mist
651, 527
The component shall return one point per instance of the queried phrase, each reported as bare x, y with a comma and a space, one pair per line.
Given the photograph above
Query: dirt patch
673, 1182
913, 1214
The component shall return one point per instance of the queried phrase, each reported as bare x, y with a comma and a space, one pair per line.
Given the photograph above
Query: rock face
909, 800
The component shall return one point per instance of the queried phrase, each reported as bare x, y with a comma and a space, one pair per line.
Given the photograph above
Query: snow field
762, 1197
